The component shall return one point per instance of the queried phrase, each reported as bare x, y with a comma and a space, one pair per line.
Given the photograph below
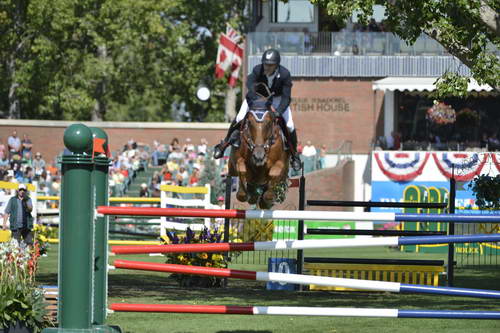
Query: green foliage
487, 191
455, 24
211, 174
20, 299
112, 60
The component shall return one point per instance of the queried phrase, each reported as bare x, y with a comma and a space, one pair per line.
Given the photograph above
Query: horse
261, 162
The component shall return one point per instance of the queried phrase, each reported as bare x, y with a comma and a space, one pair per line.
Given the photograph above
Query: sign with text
316, 104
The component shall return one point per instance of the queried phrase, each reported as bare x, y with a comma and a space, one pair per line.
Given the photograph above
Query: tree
110, 59
467, 29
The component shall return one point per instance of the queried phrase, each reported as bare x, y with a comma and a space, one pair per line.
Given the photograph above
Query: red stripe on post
183, 248
182, 308
184, 269
178, 212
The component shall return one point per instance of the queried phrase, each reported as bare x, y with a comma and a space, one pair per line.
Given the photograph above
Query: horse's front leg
275, 177
242, 194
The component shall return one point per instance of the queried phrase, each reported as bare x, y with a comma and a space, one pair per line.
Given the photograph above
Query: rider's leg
295, 160
233, 134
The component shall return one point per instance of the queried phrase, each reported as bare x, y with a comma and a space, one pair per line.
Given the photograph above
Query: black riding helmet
271, 57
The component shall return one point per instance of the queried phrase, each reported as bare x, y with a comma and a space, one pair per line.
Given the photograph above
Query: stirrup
296, 163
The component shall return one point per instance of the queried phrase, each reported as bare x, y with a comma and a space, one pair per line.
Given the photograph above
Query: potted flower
217, 260
441, 114
22, 303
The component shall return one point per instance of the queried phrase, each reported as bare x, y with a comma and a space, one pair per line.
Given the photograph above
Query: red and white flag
229, 55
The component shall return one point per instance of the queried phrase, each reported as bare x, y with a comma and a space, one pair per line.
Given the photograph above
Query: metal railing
344, 43
343, 152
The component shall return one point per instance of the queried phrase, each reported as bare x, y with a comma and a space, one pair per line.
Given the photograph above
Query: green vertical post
75, 232
76, 258
100, 244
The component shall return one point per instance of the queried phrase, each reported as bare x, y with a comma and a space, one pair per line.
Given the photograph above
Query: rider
279, 81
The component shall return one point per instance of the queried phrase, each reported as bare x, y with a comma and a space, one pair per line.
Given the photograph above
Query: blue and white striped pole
305, 244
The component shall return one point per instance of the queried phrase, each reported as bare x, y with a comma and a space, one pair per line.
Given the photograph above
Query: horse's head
259, 134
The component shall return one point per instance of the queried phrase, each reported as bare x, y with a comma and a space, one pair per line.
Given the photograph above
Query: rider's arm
286, 96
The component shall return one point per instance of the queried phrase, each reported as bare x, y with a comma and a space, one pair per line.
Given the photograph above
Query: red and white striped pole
306, 279
303, 311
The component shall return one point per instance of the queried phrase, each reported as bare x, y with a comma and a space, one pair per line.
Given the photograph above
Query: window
294, 11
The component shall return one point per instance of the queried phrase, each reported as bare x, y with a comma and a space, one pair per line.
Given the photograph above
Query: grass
150, 287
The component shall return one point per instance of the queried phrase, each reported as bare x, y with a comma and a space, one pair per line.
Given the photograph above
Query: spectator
167, 175
175, 149
14, 144
38, 165
144, 192
195, 177
322, 156
188, 146
355, 49
389, 141
4, 161
27, 145
3, 149
307, 41
309, 150
397, 140
55, 186
182, 176
26, 160
18, 212
202, 147
299, 147
3, 172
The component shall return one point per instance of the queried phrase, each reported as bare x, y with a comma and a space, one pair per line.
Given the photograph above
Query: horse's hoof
241, 196
263, 204
269, 196
253, 200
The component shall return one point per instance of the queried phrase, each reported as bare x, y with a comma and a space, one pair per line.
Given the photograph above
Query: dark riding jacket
282, 85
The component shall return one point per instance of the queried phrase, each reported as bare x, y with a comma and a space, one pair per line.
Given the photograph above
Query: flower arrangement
217, 260
21, 301
441, 114
467, 118
42, 236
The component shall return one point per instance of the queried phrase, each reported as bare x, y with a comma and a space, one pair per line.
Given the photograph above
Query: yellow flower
203, 255
43, 238
217, 257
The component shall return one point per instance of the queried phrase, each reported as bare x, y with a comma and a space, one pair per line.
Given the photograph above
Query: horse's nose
259, 155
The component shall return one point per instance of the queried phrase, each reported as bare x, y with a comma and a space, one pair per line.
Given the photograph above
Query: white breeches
287, 115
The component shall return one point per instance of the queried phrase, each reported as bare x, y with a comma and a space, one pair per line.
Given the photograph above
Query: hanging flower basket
441, 114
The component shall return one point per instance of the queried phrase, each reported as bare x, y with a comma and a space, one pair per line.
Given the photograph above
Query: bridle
248, 138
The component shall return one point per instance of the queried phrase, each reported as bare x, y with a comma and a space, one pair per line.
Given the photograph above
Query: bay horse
261, 162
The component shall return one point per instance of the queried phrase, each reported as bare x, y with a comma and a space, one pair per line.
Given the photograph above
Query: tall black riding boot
232, 137
295, 161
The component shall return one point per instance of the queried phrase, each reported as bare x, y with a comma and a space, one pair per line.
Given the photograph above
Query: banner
229, 56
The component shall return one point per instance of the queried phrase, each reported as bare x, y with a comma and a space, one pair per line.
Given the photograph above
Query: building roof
419, 83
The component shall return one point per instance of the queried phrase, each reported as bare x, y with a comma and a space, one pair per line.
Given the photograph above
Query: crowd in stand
176, 164
19, 164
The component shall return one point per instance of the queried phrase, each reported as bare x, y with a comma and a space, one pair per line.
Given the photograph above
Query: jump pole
306, 279
296, 215
303, 311
304, 244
